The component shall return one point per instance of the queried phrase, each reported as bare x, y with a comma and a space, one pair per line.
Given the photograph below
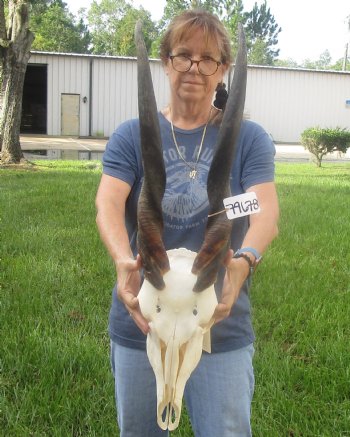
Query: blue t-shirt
185, 209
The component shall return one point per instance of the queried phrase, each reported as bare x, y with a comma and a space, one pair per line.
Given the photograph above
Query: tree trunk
15, 43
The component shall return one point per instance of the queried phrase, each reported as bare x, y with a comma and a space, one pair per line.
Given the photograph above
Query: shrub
319, 141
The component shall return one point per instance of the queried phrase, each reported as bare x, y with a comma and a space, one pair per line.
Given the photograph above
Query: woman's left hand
237, 270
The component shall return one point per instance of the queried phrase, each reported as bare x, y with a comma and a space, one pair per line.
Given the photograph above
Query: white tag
241, 205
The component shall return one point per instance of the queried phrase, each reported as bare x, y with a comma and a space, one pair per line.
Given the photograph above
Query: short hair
190, 21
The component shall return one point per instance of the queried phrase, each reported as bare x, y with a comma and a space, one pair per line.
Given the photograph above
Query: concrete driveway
48, 147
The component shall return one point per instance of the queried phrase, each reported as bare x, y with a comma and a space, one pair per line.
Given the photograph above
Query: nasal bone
169, 414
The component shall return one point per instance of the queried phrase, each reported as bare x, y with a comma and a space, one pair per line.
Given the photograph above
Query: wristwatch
242, 253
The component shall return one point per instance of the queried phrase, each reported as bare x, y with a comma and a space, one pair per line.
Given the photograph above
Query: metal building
88, 95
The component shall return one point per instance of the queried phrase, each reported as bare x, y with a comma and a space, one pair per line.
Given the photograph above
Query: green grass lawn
55, 291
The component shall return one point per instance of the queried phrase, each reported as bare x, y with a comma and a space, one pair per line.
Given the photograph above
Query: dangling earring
221, 96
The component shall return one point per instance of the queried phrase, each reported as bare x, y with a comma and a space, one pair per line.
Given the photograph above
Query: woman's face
191, 86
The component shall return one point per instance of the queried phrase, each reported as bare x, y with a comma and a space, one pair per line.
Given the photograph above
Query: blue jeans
218, 394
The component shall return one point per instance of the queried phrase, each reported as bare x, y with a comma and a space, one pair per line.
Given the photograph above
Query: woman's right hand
129, 282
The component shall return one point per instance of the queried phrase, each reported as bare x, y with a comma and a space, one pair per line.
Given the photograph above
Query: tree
340, 65
324, 61
262, 32
321, 64
231, 13
320, 142
174, 7
57, 30
39, 6
15, 44
125, 31
260, 28
288, 63
259, 54
112, 24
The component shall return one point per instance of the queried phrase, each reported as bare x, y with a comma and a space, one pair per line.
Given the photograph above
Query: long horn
149, 212
218, 230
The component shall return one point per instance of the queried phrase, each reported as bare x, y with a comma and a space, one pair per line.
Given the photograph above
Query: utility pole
345, 60
346, 46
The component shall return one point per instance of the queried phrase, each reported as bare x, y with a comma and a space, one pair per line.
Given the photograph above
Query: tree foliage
287, 63
174, 7
320, 141
231, 12
324, 62
56, 29
112, 24
108, 26
259, 53
262, 34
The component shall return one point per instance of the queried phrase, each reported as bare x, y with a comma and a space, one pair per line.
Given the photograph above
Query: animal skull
180, 321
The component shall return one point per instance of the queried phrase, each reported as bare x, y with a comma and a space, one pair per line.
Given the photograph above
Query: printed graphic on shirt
185, 202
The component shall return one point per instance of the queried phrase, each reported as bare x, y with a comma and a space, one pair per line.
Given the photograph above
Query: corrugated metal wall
67, 74
284, 101
115, 91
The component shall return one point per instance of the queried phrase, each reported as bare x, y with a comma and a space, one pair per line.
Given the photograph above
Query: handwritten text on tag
241, 205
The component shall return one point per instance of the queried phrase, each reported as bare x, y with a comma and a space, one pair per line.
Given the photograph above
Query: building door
70, 114
34, 101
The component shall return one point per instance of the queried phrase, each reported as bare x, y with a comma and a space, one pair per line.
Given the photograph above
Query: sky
309, 27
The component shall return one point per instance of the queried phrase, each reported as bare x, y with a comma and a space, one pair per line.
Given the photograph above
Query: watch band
251, 250
249, 261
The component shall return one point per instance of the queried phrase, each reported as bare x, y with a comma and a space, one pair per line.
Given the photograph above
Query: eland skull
180, 322
178, 296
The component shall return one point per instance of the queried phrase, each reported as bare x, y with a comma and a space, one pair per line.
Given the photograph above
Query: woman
196, 54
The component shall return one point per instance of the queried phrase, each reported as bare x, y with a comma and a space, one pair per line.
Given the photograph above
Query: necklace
193, 168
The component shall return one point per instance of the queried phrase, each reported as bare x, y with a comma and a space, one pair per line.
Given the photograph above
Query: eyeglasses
183, 63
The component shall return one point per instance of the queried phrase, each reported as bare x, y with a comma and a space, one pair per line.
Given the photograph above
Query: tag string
217, 213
